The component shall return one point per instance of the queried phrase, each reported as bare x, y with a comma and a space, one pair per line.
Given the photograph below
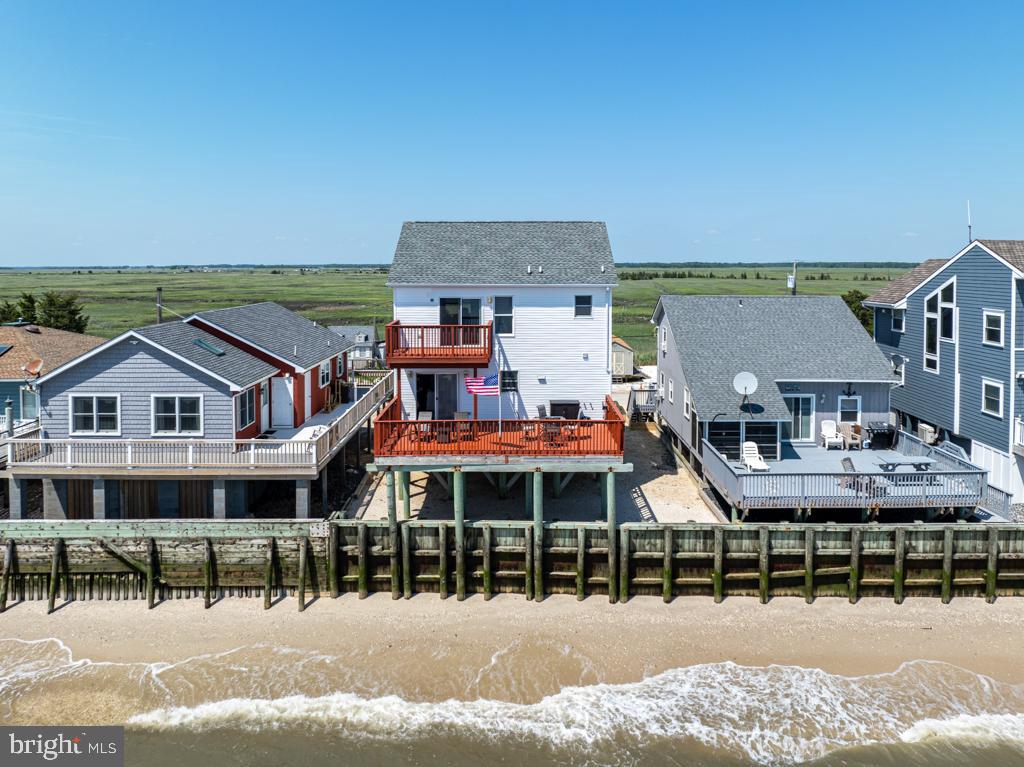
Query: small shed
622, 359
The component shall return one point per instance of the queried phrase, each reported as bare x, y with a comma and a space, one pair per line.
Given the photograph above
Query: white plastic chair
830, 435
751, 457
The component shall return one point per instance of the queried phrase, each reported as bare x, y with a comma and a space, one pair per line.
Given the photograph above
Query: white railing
951, 485
1018, 431
152, 454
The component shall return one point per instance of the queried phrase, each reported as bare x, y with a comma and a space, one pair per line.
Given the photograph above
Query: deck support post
55, 498
733, 515
220, 499
302, 501
609, 491
459, 493
99, 499
502, 485
538, 535
17, 496
528, 494
556, 484
393, 543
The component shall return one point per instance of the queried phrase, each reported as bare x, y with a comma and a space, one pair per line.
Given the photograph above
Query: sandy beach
620, 643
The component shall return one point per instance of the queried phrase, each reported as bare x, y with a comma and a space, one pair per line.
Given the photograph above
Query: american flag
486, 386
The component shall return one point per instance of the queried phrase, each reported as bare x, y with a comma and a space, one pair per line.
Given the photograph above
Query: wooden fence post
528, 555
459, 496
303, 550
7, 574
899, 565
764, 562
855, 539
393, 543
486, 561
207, 573
332, 554
363, 561
538, 536
58, 545
623, 564
809, 565
406, 561
151, 556
268, 575
581, 563
442, 563
666, 565
612, 525
947, 564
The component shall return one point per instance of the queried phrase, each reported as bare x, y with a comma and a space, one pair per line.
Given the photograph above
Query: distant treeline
768, 265
690, 274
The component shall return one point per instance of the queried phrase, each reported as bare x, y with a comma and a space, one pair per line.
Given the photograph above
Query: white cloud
910, 234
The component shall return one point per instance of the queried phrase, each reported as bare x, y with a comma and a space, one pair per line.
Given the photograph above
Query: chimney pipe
159, 305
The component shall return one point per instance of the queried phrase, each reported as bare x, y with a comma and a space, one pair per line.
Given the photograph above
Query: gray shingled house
813, 363
363, 338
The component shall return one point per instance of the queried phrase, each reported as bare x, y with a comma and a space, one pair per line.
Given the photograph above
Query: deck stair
641, 405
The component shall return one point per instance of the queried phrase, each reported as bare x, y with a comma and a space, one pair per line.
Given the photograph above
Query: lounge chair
751, 457
853, 435
542, 411
830, 436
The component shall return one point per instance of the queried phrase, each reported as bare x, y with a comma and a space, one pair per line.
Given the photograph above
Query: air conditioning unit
926, 433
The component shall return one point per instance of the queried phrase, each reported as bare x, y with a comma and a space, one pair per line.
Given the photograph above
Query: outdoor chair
542, 411
830, 436
552, 433
463, 428
853, 435
751, 457
866, 486
422, 431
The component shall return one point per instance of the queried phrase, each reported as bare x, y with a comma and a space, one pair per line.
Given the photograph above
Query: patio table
920, 463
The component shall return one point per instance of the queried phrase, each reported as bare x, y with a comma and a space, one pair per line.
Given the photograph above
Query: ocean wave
981, 729
768, 715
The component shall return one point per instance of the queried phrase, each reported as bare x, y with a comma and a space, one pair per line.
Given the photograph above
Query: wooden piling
442, 562
991, 566
528, 545
268, 575
581, 563
207, 573
58, 545
666, 565
406, 561
392, 535
538, 536
486, 565
854, 583
151, 557
303, 550
717, 576
363, 561
899, 573
332, 556
406, 495
947, 565
809, 565
612, 526
459, 498
764, 563
5, 581
623, 564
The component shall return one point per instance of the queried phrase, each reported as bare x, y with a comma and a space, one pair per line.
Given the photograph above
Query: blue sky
182, 132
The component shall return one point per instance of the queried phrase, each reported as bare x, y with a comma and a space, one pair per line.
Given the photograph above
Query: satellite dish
745, 383
33, 367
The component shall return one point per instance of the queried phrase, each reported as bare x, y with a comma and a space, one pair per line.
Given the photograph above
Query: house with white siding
522, 306
190, 418
952, 329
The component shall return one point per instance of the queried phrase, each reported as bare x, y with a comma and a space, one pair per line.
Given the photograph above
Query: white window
503, 322
898, 320
176, 414
341, 366
686, 401
849, 409
947, 304
265, 393
29, 404
991, 398
664, 340
584, 306
671, 391
245, 409
661, 384
96, 414
931, 333
325, 373
992, 323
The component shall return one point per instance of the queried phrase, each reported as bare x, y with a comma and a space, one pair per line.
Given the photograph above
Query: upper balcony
438, 345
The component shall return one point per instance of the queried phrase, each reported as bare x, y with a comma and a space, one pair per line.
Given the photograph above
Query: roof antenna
970, 235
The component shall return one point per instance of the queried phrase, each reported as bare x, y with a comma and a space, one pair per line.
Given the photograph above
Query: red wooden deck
437, 345
394, 437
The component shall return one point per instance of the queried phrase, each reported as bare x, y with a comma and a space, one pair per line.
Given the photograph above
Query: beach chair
542, 411
853, 435
751, 457
830, 436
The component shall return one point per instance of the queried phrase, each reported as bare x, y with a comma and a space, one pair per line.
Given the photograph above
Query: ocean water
530, 704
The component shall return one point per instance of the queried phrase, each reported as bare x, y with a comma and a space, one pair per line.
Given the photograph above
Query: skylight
202, 343
4, 349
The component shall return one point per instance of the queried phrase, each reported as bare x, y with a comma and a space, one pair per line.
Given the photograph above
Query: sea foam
980, 729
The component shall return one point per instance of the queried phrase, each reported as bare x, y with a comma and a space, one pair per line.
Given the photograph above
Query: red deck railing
468, 345
393, 436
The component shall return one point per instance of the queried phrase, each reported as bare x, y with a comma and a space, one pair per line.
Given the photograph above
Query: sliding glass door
800, 426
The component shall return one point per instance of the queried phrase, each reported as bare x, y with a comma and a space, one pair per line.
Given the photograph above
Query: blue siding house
951, 329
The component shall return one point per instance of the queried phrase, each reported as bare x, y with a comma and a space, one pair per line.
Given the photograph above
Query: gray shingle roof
279, 331
777, 338
237, 366
900, 288
500, 252
1011, 250
351, 332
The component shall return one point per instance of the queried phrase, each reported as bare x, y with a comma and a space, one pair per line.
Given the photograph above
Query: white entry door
264, 405
283, 404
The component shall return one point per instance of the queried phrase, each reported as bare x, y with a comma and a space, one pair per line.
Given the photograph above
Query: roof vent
741, 303
205, 345
295, 350
32, 329
540, 270
602, 268
529, 269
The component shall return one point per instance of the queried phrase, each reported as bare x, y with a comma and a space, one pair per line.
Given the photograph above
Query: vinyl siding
884, 334
135, 370
669, 364
874, 404
982, 283
558, 356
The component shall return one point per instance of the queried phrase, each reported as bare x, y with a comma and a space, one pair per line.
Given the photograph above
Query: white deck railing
151, 454
951, 485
